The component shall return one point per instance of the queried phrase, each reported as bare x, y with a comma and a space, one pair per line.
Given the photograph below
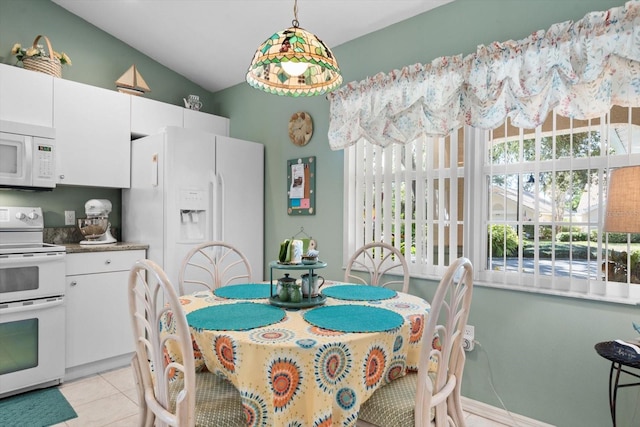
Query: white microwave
27, 156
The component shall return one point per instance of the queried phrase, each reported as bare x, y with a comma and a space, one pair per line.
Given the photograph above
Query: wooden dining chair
171, 392
378, 259
146, 416
212, 265
430, 396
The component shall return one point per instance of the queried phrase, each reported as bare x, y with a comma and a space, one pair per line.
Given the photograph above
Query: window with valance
442, 158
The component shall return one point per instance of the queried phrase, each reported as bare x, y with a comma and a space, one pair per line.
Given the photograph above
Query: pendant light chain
295, 22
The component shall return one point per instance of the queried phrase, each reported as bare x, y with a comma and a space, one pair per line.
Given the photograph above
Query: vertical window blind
409, 196
526, 205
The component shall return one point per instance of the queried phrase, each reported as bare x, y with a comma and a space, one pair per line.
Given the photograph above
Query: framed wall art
301, 186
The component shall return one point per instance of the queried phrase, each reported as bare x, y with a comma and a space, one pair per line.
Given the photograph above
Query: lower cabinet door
98, 325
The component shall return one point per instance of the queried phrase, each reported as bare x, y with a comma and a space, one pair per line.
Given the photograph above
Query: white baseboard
499, 415
96, 367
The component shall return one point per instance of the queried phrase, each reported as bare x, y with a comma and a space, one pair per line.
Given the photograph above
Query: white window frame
595, 289
476, 219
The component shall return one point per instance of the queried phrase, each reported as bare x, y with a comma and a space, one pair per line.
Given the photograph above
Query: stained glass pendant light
294, 62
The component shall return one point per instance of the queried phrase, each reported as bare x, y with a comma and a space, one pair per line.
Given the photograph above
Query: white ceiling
224, 34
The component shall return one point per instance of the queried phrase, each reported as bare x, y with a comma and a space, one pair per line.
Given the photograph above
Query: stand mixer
96, 227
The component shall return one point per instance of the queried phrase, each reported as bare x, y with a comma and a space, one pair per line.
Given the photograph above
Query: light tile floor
110, 399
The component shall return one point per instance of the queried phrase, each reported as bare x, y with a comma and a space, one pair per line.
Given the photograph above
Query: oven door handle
14, 261
32, 307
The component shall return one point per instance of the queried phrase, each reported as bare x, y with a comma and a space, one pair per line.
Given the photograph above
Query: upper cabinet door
92, 135
26, 96
148, 116
206, 122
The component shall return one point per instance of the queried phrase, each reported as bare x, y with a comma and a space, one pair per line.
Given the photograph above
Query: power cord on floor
515, 423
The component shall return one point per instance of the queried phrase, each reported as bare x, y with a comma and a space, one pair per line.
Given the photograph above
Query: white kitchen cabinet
92, 135
98, 324
149, 116
206, 122
26, 96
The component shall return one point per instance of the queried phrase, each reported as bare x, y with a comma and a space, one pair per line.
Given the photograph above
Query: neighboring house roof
589, 206
528, 199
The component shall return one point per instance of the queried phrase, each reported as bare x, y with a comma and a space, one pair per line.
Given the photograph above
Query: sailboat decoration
131, 82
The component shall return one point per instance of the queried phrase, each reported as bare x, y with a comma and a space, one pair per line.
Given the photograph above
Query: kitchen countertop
75, 248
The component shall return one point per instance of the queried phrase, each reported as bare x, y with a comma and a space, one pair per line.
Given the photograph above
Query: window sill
556, 293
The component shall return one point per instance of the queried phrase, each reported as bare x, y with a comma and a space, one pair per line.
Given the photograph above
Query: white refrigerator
188, 187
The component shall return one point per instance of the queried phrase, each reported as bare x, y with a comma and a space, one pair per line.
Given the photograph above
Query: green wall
99, 60
536, 350
64, 198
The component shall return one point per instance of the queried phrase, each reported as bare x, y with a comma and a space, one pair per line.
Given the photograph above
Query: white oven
32, 306
28, 276
31, 354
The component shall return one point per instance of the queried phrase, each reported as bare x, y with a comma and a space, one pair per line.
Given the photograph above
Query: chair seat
393, 405
218, 402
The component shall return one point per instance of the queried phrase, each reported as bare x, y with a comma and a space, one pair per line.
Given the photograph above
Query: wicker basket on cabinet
44, 64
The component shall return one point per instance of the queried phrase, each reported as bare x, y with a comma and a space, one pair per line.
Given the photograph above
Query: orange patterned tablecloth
292, 373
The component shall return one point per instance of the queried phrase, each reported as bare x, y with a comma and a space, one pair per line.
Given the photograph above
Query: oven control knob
32, 215
20, 215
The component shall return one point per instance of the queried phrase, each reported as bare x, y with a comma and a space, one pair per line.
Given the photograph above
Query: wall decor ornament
192, 102
131, 82
36, 58
300, 128
301, 183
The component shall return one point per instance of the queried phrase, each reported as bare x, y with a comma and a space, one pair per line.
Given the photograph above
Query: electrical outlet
469, 332
468, 337
69, 217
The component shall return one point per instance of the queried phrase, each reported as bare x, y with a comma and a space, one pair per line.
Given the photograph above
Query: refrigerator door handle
217, 198
154, 170
213, 193
220, 207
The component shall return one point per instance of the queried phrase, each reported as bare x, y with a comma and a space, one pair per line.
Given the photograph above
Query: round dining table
311, 366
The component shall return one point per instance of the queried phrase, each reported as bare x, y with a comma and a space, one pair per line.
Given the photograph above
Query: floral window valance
582, 67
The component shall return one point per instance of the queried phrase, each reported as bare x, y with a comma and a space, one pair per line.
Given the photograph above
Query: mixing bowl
92, 228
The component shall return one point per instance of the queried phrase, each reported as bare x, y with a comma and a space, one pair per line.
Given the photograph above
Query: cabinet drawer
100, 262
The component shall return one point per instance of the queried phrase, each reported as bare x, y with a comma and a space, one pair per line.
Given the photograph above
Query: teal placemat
245, 291
235, 317
359, 292
354, 318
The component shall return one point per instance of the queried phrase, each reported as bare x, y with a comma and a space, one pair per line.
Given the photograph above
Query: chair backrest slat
158, 321
211, 265
380, 261
445, 326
